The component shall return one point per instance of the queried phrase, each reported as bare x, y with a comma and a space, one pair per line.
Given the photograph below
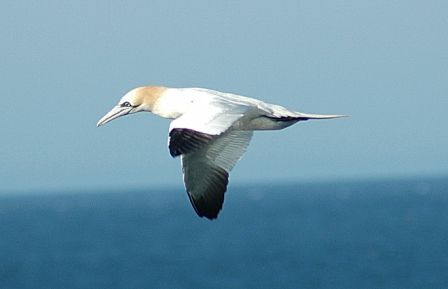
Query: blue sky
65, 63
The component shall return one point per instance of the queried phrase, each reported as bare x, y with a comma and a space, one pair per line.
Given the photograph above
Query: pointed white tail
320, 116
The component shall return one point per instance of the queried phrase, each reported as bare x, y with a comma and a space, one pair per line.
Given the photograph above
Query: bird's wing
209, 146
202, 124
206, 170
213, 116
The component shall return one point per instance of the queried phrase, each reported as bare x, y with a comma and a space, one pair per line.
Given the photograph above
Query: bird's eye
126, 104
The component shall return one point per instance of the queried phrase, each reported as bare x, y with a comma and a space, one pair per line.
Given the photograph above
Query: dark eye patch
126, 104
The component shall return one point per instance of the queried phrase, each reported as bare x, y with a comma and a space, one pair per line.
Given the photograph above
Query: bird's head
136, 100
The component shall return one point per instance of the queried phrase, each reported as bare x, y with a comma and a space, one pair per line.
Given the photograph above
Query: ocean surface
366, 234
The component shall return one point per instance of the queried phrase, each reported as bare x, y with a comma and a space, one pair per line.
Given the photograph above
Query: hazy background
63, 64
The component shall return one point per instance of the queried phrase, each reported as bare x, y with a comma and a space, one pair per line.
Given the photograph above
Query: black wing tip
213, 214
210, 204
210, 216
208, 208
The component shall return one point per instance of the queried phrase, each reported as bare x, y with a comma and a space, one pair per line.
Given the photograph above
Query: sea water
366, 234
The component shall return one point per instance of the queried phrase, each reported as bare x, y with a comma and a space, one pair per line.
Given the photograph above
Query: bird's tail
306, 116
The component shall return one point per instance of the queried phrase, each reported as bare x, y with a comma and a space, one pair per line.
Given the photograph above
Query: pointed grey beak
114, 113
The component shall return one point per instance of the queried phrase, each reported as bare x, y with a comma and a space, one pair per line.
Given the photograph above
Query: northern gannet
210, 132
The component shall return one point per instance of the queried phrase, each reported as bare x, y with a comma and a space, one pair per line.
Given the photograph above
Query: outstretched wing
206, 170
210, 145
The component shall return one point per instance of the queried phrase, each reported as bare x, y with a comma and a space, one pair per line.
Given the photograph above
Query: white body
224, 110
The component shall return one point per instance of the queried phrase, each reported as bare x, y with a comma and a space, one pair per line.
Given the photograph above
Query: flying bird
210, 132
